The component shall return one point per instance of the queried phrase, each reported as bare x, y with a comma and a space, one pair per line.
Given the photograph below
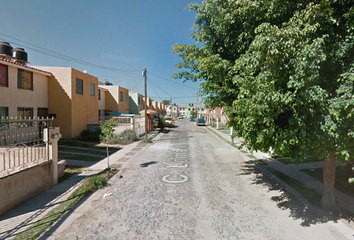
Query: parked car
169, 121
200, 122
191, 119
156, 118
180, 116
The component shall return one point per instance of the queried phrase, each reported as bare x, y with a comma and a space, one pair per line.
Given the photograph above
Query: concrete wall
12, 97
19, 187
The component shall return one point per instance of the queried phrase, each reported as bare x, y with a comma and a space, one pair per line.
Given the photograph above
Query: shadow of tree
290, 199
147, 164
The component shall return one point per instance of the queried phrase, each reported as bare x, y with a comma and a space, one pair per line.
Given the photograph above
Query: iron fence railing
22, 131
22, 145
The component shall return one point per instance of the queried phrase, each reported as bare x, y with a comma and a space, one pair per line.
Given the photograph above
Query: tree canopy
166, 102
282, 70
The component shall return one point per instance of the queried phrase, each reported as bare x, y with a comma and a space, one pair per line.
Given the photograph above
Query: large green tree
284, 73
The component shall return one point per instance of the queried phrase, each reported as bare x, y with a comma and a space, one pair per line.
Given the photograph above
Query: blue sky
127, 35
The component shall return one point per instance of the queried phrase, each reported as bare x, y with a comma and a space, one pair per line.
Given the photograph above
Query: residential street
189, 184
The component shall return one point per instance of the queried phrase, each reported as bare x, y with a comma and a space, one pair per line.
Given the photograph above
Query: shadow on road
298, 206
147, 164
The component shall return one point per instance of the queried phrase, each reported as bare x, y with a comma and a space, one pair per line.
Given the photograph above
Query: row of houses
73, 98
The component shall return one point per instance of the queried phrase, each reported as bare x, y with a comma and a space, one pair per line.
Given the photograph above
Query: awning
122, 114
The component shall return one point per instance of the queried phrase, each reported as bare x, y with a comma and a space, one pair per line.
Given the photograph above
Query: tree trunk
329, 173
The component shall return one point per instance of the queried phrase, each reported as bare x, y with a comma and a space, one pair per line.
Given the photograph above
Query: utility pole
171, 107
145, 107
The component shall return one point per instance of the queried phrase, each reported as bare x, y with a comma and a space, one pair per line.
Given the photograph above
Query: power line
150, 80
67, 58
155, 91
173, 81
179, 97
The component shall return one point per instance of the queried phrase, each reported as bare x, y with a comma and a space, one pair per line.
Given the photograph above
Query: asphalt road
189, 184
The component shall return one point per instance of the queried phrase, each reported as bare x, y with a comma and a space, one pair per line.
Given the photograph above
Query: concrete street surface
189, 184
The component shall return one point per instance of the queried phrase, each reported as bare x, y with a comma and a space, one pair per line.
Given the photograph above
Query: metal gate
22, 145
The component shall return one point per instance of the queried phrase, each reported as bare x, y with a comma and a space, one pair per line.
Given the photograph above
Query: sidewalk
31, 211
292, 170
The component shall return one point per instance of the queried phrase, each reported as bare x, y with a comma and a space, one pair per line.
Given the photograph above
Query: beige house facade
23, 90
73, 99
117, 98
102, 103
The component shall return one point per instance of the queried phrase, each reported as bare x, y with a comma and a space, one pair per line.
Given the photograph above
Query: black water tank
5, 49
20, 54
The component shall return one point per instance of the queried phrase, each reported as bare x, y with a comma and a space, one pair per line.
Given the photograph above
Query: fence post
53, 137
132, 127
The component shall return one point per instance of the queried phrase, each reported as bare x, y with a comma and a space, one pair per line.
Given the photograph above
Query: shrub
107, 129
89, 136
125, 137
161, 122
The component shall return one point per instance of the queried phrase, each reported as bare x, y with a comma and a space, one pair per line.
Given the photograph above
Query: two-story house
23, 89
136, 102
73, 99
117, 98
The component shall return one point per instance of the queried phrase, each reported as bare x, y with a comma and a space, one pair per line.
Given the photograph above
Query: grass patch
260, 162
136, 149
89, 186
312, 196
146, 140
126, 137
79, 157
76, 143
69, 171
76, 150
123, 159
342, 176
116, 165
251, 156
294, 161
93, 150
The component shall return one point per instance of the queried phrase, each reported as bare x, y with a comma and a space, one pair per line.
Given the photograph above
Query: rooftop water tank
5, 50
20, 55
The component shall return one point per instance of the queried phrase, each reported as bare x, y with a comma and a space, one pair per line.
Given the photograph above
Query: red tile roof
22, 65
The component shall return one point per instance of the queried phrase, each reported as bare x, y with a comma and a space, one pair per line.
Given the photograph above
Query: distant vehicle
191, 119
200, 122
156, 118
169, 121
180, 116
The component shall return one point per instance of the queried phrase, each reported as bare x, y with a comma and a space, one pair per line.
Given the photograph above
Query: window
25, 112
139, 100
121, 96
4, 81
126, 97
79, 86
4, 113
99, 94
25, 80
92, 89
42, 112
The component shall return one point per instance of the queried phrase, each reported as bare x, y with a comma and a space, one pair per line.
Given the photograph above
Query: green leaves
283, 72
